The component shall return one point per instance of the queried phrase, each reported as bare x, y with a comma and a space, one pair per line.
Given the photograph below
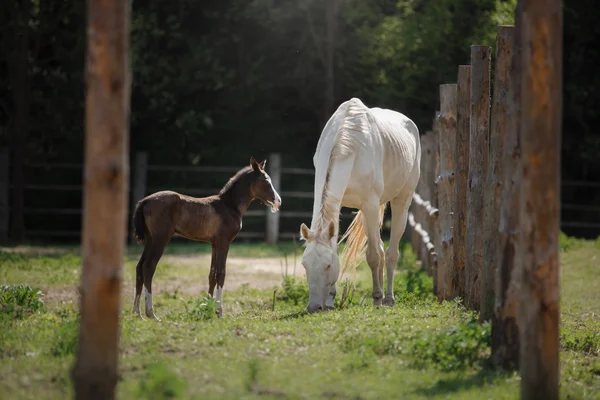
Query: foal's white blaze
277, 200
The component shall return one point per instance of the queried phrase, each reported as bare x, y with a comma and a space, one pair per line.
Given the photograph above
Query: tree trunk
505, 322
461, 160
478, 161
494, 180
446, 190
541, 33
331, 11
105, 198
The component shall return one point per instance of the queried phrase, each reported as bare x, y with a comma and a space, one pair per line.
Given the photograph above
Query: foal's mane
234, 179
355, 121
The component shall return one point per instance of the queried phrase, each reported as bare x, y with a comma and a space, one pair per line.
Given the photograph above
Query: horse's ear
304, 232
254, 164
331, 229
262, 164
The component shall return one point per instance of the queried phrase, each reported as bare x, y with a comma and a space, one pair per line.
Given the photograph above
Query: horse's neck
328, 202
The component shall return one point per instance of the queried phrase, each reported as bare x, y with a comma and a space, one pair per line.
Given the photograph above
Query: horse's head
322, 266
261, 186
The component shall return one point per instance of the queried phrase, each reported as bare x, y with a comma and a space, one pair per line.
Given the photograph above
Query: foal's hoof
389, 301
151, 315
377, 302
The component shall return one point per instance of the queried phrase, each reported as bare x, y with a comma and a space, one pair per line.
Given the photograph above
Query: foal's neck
238, 196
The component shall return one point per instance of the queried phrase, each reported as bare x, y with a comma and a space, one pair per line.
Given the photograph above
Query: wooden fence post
494, 180
478, 161
106, 183
446, 189
424, 193
505, 321
541, 120
274, 171
140, 175
4, 185
461, 161
438, 279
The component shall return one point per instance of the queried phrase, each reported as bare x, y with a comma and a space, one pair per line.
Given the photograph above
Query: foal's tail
357, 241
139, 221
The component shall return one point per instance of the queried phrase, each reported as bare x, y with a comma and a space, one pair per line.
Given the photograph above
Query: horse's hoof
389, 301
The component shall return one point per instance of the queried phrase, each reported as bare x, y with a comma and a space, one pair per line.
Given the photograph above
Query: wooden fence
486, 214
143, 182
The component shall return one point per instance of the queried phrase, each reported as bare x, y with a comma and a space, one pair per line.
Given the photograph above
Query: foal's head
261, 187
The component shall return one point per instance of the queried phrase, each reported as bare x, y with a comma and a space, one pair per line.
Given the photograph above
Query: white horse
365, 158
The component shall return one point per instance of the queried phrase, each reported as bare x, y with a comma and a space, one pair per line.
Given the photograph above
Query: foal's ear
304, 232
262, 164
255, 166
331, 229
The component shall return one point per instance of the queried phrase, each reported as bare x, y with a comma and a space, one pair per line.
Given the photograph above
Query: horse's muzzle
276, 203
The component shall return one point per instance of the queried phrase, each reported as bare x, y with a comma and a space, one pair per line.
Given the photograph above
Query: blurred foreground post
541, 35
105, 198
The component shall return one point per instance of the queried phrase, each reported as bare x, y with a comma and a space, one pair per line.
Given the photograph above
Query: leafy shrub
18, 301
66, 339
202, 309
295, 290
458, 347
160, 382
413, 285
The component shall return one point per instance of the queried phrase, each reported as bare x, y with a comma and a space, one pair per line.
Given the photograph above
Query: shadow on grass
461, 382
295, 315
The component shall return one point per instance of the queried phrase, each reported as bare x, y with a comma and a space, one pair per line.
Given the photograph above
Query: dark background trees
217, 81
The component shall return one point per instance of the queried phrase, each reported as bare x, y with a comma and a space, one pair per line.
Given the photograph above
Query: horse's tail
357, 241
139, 221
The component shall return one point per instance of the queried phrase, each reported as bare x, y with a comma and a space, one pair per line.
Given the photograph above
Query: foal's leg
399, 207
375, 255
154, 254
139, 277
217, 273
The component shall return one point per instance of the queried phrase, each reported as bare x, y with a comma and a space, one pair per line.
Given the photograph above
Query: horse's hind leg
155, 252
375, 255
139, 277
399, 207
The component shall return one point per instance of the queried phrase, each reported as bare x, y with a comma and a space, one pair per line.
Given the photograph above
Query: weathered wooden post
438, 278
140, 174
494, 180
541, 120
478, 161
4, 185
461, 164
446, 188
424, 193
106, 183
505, 321
274, 171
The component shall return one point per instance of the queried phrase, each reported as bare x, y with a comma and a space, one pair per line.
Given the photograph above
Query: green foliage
18, 301
202, 309
295, 290
460, 346
66, 338
160, 382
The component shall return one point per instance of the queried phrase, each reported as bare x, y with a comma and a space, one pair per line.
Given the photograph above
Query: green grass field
265, 346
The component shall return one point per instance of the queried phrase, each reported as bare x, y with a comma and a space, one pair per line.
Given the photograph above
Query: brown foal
215, 219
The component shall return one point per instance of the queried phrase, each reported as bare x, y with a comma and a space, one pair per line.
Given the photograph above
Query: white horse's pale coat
365, 158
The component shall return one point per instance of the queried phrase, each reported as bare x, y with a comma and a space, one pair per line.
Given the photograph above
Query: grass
267, 347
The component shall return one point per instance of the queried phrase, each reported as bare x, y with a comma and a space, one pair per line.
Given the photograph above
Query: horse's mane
234, 179
355, 121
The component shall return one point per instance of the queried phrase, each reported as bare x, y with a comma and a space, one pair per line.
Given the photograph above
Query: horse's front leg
375, 254
220, 252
